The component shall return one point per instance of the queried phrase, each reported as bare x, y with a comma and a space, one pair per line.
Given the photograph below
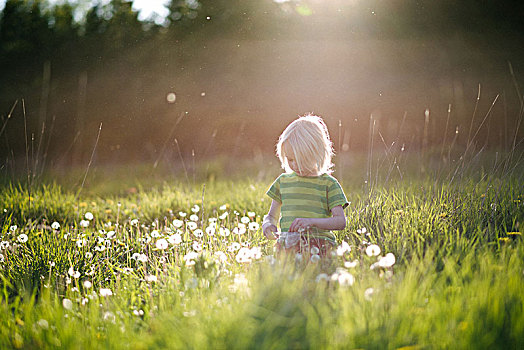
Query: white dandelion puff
67, 304
178, 223
192, 225
43, 323
195, 208
162, 244
223, 231
22, 238
315, 258
323, 277
345, 279
89, 216
253, 226
150, 278
372, 250
368, 293
55, 226
87, 284
245, 220
84, 223
175, 239
193, 217
387, 261
105, 292
343, 248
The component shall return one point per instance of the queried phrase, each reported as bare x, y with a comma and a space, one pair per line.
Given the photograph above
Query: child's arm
336, 222
269, 226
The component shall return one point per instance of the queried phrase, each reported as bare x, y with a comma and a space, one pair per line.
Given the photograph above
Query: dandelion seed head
43, 323
372, 250
84, 223
368, 293
253, 226
22, 238
150, 278
387, 261
315, 258
67, 304
55, 226
314, 250
89, 216
105, 292
323, 277
162, 244
191, 225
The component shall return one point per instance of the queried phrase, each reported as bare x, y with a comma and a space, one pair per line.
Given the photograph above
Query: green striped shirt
307, 197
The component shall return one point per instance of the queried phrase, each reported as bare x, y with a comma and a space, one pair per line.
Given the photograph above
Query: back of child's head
307, 141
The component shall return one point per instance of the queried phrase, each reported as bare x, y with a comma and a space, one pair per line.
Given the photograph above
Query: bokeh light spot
171, 97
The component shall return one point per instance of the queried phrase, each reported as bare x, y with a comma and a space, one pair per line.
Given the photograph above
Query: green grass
458, 279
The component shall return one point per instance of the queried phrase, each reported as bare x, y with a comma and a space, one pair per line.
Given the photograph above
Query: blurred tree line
111, 67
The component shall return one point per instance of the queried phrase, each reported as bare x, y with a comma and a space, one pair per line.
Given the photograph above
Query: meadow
432, 257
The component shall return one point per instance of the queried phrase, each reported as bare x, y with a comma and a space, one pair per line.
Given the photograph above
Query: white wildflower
245, 220
134, 222
105, 292
198, 233
67, 304
190, 257
210, 230
345, 279
350, 264
191, 225
22, 238
372, 250
251, 214
343, 248
155, 234
193, 217
175, 239
368, 293
197, 246
315, 250
182, 214
387, 261
322, 277
142, 258
234, 247
195, 208
243, 255
89, 216
224, 232
84, 223
162, 244
253, 226
43, 323
150, 278
55, 226
87, 284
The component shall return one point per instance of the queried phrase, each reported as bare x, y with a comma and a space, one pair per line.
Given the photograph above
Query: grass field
430, 258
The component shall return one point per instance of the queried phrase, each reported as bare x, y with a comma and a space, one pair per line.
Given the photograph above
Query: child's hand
300, 224
269, 231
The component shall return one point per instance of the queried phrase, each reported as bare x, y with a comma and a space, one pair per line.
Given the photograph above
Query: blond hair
307, 140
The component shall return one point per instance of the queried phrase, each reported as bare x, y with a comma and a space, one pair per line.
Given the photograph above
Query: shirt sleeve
336, 195
274, 190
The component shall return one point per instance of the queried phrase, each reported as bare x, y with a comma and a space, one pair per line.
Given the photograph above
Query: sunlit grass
422, 263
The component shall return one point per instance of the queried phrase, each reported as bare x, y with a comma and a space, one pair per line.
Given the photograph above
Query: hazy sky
146, 7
